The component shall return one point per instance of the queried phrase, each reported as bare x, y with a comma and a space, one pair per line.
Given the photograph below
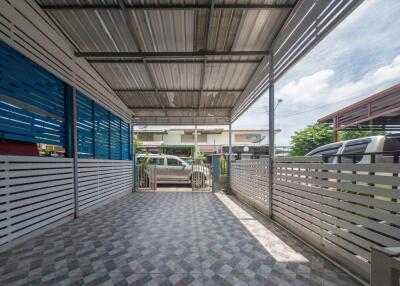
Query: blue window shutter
31, 100
102, 132
85, 120
115, 135
125, 140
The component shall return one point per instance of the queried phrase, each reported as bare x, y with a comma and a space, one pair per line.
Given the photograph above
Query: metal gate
146, 177
201, 177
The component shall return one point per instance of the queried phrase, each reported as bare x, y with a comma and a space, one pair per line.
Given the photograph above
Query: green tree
319, 134
137, 145
311, 137
347, 135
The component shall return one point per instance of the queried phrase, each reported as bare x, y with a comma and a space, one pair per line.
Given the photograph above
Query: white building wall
173, 138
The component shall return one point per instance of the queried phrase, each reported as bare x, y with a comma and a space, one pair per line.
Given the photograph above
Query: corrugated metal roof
194, 82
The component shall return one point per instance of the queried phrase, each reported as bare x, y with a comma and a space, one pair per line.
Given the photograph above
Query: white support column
133, 152
195, 142
229, 150
72, 137
271, 139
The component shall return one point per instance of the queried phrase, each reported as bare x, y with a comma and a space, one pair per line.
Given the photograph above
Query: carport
124, 62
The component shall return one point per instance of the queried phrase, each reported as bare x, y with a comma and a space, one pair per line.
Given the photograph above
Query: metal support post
196, 151
271, 139
335, 131
215, 173
71, 135
384, 271
133, 157
229, 151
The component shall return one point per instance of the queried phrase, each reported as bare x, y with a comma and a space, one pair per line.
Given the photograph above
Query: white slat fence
102, 179
37, 191
342, 209
249, 180
34, 191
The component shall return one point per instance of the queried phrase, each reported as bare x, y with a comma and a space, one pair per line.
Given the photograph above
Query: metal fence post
229, 150
215, 173
382, 271
133, 157
271, 139
71, 138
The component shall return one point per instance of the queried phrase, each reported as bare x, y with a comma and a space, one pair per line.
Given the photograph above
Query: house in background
181, 142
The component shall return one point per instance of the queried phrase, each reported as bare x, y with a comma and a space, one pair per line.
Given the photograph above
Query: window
326, 151
248, 138
156, 161
355, 151
189, 138
146, 136
173, 162
392, 144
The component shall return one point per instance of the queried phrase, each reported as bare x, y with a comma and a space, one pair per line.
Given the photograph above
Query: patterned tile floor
168, 239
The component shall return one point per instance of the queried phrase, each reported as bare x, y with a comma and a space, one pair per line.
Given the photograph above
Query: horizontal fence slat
35, 191
101, 179
343, 209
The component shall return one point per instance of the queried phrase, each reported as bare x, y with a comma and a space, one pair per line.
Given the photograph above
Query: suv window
331, 150
156, 161
173, 162
391, 144
357, 147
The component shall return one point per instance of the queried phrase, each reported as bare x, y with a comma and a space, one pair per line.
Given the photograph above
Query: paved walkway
168, 239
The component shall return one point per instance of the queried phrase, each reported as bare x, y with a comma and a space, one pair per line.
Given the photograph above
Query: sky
357, 59
360, 57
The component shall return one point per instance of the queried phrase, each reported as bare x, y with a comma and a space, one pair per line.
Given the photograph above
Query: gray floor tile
165, 239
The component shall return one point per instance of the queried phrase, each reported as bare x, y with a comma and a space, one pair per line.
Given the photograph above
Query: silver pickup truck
173, 170
368, 145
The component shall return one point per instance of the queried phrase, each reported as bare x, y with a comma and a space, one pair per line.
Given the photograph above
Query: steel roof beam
175, 7
223, 109
170, 61
148, 55
129, 22
205, 46
154, 84
208, 28
181, 116
178, 90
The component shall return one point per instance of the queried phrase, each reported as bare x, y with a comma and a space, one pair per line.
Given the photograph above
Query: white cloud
312, 96
307, 89
390, 72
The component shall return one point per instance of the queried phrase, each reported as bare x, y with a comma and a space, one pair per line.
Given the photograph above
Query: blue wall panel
125, 140
31, 100
85, 121
115, 135
102, 132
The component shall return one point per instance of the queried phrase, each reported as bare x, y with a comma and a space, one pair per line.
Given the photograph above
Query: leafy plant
347, 135
311, 137
199, 158
137, 145
319, 134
